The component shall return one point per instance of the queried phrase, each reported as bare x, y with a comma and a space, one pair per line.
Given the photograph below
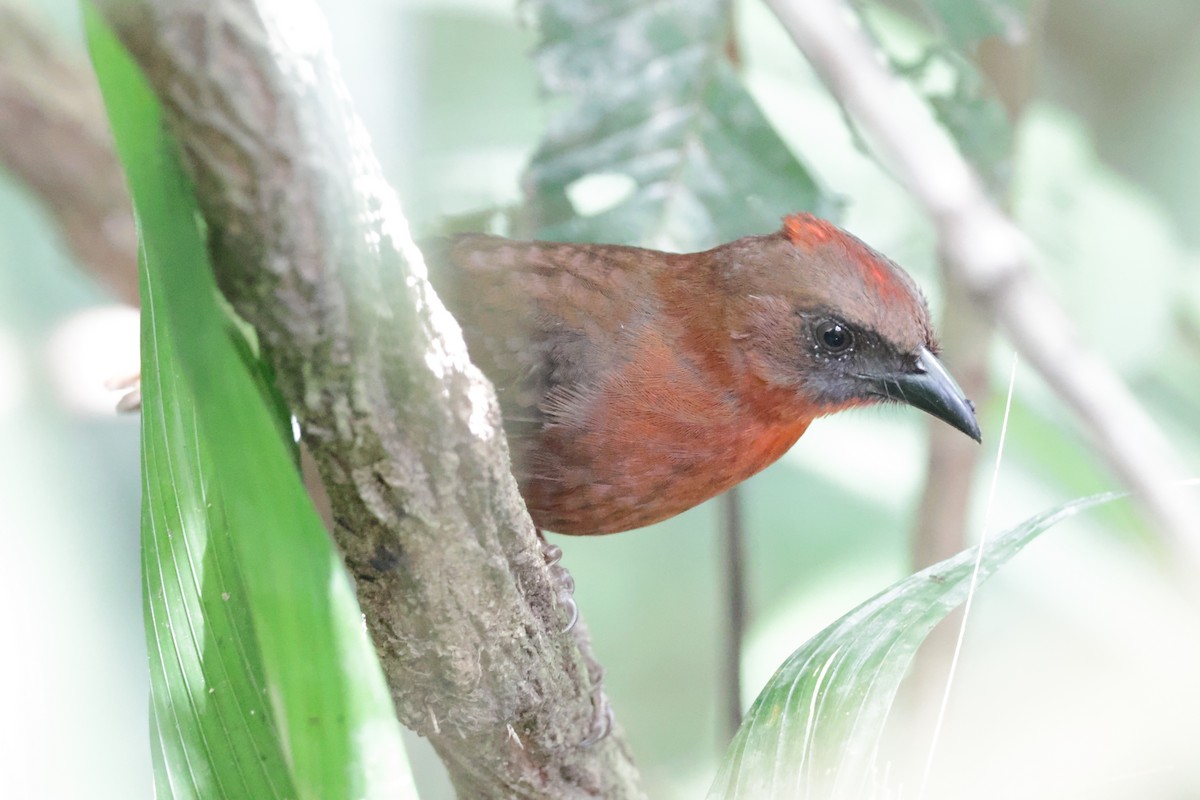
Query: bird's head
820, 314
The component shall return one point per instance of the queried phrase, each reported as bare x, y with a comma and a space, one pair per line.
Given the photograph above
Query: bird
635, 384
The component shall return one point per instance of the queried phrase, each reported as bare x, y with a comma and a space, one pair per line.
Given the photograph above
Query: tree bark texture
311, 247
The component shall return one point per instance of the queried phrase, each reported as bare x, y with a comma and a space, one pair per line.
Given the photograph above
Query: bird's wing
544, 321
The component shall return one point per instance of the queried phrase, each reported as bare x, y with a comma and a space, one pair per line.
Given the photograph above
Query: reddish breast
661, 434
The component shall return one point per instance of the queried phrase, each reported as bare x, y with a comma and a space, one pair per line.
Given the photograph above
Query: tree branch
942, 516
311, 248
54, 138
990, 257
941, 527
733, 572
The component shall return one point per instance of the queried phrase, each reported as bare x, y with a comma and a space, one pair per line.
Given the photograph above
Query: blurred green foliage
1078, 677
656, 99
939, 60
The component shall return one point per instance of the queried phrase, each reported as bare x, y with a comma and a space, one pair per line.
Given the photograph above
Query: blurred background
1079, 669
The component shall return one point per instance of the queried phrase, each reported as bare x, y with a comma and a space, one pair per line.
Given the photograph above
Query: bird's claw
601, 727
564, 584
132, 386
551, 553
572, 608
565, 595
602, 718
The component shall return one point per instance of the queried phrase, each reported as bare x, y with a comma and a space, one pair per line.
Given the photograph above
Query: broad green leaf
264, 683
979, 124
655, 100
965, 22
946, 73
814, 730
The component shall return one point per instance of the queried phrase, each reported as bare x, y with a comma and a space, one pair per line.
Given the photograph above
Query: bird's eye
834, 336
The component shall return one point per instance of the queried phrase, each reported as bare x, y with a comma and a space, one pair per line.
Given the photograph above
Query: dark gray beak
929, 387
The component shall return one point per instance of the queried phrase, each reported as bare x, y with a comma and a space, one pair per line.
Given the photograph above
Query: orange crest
808, 231
805, 230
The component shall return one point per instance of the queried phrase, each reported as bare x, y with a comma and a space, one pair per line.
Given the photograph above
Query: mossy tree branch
311, 248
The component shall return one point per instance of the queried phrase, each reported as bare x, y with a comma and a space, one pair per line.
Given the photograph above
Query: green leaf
945, 72
966, 22
264, 683
814, 730
979, 124
655, 99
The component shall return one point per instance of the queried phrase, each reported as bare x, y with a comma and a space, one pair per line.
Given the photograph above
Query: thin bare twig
966, 340
990, 256
941, 526
54, 138
733, 563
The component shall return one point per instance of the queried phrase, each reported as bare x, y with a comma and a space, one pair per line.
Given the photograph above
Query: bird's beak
929, 387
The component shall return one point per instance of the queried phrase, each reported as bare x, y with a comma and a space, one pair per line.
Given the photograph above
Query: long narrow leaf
814, 730
264, 683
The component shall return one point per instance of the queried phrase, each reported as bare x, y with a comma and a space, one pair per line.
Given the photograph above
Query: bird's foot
551, 553
602, 713
132, 386
564, 584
